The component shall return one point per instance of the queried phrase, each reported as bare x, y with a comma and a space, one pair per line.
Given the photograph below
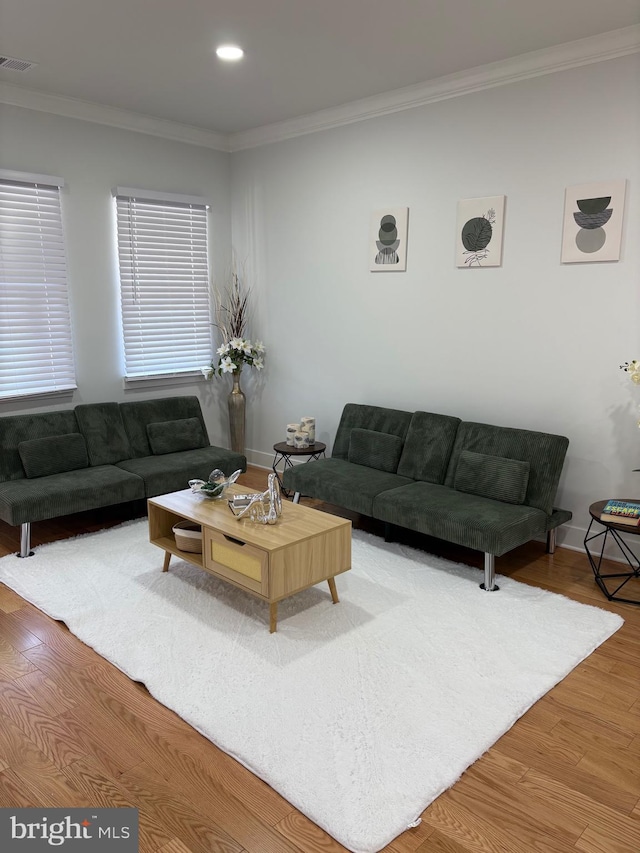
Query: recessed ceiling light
230, 52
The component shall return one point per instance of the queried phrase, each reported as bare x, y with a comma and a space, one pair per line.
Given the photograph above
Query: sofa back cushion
379, 450
543, 451
376, 418
137, 415
173, 436
103, 430
17, 428
53, 454
493, 477
428, 446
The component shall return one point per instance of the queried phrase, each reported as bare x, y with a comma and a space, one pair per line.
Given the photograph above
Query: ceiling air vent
13, 64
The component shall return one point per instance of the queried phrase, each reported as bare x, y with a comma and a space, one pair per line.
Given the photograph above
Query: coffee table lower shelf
305, 548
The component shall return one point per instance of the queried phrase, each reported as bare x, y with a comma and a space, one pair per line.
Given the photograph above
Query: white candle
308, 425
301, 439
292, 429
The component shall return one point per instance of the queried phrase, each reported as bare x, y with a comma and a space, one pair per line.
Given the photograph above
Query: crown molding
32, 99
537, 63
611, 45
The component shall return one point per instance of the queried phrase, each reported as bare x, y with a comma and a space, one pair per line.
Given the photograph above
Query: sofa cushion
492, 477
355, 415
470, 520
72, 491
174, 436
171, 472
17, 428
543, 451
103, 430
136, 414
53, 454
341, 483
428, 446
378, 450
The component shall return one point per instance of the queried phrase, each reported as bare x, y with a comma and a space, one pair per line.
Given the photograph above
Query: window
36, 354
164, 283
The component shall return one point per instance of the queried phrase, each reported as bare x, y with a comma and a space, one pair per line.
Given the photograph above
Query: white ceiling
156, 57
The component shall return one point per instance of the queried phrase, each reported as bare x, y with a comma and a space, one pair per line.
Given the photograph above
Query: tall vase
237, 406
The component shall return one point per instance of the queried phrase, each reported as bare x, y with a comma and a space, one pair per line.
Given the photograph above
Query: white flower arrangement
232, 311
633, 369
234, 354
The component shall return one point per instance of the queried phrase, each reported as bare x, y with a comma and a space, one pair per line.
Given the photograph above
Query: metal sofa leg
489, 574
551, 541
296, 497
25, 540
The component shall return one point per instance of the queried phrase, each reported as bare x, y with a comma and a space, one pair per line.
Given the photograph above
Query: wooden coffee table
272, 562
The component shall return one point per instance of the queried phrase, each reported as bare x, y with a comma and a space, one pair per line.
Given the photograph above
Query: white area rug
360, 714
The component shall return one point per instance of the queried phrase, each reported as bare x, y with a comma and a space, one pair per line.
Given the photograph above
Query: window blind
164, 285
36, 353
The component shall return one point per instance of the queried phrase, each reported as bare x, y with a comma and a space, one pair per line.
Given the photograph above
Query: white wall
93, 159
533, 344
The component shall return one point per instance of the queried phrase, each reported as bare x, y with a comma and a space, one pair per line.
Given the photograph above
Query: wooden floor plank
199, 819
545, 790
48, 733
614, 767
15, 633
483, 793
174, 846
104, 792
13, 663
615, 840
9, 601
471, 832
13, 794
307, 836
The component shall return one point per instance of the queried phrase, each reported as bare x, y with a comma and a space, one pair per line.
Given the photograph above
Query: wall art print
388, 247
480, 227
592, 229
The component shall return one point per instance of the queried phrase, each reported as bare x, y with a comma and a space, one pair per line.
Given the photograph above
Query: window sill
161, 380
40, 395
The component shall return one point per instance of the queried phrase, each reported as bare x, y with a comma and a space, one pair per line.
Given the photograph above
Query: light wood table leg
273, 617
334, 591
167, 558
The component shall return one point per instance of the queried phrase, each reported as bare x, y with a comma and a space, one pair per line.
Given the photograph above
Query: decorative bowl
214, 491
216, 486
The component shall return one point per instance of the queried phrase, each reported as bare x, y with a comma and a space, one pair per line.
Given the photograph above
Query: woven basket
188, 536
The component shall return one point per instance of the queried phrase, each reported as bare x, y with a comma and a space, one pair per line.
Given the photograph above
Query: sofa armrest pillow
379, 450
495, 477
53, 454
174, 436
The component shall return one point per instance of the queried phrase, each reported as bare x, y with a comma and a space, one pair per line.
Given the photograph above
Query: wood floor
75, 731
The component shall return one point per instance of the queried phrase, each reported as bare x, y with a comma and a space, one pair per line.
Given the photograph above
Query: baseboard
259, 458
571, 536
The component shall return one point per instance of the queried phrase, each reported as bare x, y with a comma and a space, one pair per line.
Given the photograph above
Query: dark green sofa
98, 454
486, 487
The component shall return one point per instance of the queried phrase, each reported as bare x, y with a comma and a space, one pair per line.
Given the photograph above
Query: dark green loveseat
98, 454
486, 487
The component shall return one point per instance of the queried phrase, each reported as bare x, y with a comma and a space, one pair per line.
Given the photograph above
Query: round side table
285, 452
612, 582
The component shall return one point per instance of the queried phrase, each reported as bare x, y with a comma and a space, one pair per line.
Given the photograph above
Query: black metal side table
612, 582
284, 452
